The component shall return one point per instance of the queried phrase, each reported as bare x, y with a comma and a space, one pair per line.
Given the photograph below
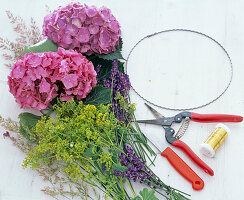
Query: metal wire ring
191, 31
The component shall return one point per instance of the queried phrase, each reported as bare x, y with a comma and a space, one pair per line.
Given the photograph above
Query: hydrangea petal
77, 59
66, 98
105, 13
71, 29
70, 81
40, 72
76, 22
44, 86
93, 29
91, 11
84, 35
18, 72
35, 60
67, 39
64, 68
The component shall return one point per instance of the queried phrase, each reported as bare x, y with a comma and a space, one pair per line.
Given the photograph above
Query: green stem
131, 188
120, 181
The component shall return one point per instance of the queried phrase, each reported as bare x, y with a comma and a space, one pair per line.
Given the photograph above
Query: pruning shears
174, 140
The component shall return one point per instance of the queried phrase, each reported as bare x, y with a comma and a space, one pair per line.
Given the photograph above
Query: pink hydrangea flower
86, 29
37, 78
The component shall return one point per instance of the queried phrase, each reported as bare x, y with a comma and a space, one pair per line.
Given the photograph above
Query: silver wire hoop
191, 31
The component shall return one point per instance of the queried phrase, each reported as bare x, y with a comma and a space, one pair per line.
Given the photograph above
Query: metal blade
153, 121
155, 113
165, 121
156, 142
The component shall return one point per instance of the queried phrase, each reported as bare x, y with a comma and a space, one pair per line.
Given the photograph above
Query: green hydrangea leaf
43, 46
27, 122
121, 67
113, 55
98, 95
148, 195
106, 66
105, 71
119, 167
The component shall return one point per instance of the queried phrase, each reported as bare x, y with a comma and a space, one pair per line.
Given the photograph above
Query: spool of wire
214, 141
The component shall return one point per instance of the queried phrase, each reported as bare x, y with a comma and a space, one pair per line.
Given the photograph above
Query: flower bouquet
85, 141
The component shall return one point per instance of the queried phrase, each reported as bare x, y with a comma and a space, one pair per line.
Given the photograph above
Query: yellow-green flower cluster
82, 137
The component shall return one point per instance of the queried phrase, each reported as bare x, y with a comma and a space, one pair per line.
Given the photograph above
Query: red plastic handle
183, 168
215, 118
183, 146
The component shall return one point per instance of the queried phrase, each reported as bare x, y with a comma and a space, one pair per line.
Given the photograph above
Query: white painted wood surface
223, 20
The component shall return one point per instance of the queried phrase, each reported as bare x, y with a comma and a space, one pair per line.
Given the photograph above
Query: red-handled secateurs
166, 122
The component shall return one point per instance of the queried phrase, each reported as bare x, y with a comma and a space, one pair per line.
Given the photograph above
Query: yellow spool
214, 141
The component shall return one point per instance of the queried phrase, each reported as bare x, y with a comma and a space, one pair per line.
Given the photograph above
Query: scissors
174, 140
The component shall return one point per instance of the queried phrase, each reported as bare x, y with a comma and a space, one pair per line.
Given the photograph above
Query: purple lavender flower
120, 83
98, 68
104, 168
136, 169
117, 172
119, 80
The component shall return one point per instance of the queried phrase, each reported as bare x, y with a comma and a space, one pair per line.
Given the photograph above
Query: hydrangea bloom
37, 78
86, 29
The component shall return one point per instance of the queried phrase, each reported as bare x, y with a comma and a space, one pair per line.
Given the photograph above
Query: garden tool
174, 139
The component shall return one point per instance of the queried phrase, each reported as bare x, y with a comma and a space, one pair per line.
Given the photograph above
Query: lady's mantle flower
86, 29
37, 78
